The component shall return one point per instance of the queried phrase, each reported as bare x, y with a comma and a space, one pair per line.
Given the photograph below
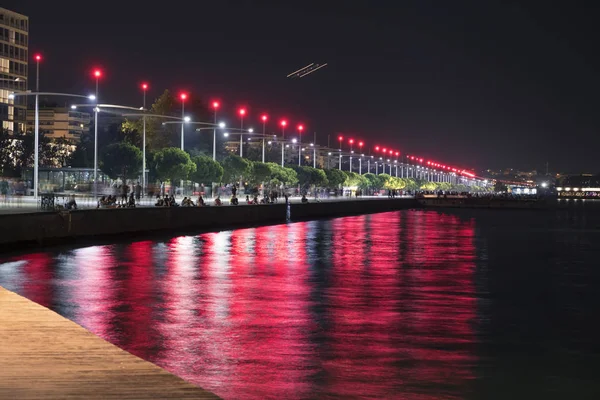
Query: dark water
406, 305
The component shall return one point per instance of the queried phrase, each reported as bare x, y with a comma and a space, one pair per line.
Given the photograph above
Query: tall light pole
360, 146
314, 144
215, 106
340, 138
144, 89
351, 141
97, 75
300, 129
283, 124
242, 112
36, 162
183, 97
264, 118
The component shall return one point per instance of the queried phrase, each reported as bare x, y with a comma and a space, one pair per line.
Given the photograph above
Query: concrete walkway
45, 356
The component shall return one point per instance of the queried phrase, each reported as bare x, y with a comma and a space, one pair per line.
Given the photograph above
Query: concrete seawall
51, 227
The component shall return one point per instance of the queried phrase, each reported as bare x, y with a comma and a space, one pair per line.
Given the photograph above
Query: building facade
14, 56
61, 122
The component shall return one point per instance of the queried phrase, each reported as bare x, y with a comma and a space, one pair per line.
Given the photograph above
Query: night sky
482, 84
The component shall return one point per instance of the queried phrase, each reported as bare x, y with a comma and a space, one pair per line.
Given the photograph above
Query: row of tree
124, 160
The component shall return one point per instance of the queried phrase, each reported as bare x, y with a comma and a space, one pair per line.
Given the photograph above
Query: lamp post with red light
215, 106
144, 90
340, 139
263, 118
283, 125
360, 146
351, 141
37, 58
97, 74
242, 112
183, 97
300, 129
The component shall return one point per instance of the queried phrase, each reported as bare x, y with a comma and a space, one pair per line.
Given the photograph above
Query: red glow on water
381, 305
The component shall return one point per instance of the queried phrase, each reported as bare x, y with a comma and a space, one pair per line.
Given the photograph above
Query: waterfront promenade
45, 356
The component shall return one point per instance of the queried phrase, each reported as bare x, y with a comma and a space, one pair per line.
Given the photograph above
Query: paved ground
45, 356
28, 204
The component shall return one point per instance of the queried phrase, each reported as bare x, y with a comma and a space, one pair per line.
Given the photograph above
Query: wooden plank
43, 355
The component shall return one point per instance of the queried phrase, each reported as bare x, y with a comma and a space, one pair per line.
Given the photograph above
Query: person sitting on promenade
304, 199
200, 202
186, 202
71, 204
234, 201
101, 202
131, 202
248, 201
218, 201
159, 201
255, 200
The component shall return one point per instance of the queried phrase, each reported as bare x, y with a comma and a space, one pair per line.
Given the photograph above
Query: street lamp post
183, 97
36, 162
242, 114
360, 146
97, 75
340, 138
351, 141
300, 129
216, 106
264, 122
283, 125
144, 89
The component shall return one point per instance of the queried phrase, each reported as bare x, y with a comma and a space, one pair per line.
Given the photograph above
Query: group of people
169, 201
113, 202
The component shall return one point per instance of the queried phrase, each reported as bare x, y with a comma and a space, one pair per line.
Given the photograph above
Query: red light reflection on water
377, 306
37, 285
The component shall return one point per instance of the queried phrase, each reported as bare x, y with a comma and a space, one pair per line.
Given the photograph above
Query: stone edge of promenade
46, 356
64, 226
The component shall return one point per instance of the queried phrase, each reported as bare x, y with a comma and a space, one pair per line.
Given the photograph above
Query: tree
500, 187
281, 176
207, 170
173, 164
309, 176
259, 172
335, 177
234, 168
374, 182
121, 160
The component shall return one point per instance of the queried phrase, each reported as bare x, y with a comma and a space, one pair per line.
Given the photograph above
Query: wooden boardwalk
45, 356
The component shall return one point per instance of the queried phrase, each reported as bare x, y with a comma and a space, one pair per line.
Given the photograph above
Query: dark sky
482, 84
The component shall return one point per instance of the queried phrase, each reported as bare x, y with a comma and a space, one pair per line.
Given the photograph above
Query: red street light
360, 144
183, 96
264, 118
340, 138
397, 153
97, 73
300, 128
351, 141
376, 148
284, 123
38, 57
384, 150
242, 112
216, 105
144, 86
